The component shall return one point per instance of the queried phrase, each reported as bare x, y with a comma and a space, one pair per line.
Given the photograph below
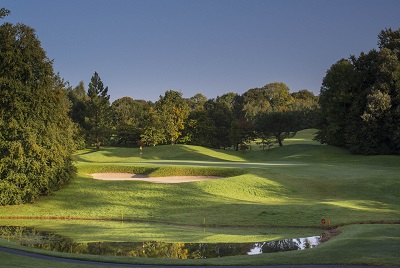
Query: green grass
290, 186
123, 231
357, 245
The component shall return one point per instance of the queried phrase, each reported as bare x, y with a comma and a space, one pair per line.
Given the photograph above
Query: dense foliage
229, 121
360, 100
36, 133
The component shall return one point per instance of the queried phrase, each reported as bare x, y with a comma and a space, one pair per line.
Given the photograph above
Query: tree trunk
279, 139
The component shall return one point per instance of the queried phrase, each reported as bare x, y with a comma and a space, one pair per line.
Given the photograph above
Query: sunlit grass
125, 231
292, 186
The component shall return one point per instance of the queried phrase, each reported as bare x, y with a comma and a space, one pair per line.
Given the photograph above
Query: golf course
247, 196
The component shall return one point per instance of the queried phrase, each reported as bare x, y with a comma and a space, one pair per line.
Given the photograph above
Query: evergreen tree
98, 119
78, 98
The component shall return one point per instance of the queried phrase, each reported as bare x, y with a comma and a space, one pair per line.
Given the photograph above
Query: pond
35, 238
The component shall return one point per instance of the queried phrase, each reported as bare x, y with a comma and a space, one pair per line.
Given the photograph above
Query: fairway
259, 195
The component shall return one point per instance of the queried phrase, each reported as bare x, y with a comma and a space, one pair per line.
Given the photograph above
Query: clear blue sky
143, 48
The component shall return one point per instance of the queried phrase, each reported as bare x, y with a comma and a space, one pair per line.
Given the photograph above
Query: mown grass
292, 186
125, 231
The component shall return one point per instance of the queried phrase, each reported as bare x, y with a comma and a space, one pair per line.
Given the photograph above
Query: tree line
360, 100
228, 121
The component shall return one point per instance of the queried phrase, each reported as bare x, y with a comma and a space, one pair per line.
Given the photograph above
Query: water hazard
32, 237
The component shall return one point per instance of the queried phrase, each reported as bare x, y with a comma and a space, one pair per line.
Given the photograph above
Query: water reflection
32, 237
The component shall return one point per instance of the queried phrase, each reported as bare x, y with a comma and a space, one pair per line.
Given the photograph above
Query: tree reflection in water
286, 245
32, 237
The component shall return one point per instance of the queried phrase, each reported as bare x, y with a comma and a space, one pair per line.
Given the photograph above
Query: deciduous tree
36, 133
153, 132
128, 119
173, 110
360, 100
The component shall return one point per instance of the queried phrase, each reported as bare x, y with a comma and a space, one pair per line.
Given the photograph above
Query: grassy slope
295, 185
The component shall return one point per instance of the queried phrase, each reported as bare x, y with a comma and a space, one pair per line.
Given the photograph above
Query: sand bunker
141, 177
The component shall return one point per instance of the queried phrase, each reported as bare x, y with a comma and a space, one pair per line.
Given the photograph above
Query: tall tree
306, 103
278, 124
241, 128
78, 98
276, 116
98, 120
196, 103
221, 116
36, 133
128, 119
255, 101
335, 101
278, 95
374, 114
389, 39
152, 132
360, 100
174, 110
200, 128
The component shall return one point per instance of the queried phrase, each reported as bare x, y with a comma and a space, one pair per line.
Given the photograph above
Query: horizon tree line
230, 120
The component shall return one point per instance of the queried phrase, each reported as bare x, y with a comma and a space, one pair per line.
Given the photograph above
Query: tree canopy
36, 133
173, 111
360, 100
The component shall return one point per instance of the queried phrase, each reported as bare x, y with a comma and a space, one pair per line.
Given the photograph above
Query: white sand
141, 177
